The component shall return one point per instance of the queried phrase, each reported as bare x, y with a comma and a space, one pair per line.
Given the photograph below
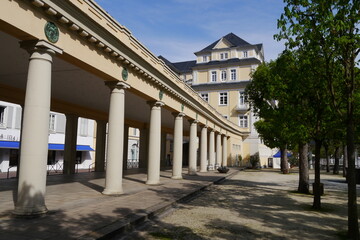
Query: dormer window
223, 56
245, 53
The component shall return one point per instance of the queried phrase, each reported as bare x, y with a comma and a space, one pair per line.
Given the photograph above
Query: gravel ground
255, 204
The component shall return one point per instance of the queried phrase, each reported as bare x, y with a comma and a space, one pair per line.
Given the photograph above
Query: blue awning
52, 146
278, 154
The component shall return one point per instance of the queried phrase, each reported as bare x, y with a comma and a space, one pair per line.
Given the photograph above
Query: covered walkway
77, 210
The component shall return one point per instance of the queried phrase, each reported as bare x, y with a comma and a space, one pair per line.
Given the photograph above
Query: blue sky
176, 29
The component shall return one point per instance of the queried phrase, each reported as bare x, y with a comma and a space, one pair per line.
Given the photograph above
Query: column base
112, 192
152, 182
192, 173
202, 171
176, 177
30, 212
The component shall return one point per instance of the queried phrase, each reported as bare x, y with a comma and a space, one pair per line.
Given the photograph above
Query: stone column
35, 131
224, 151
114, 163
163, 162
143, 151
154, 146
218, 151
70, 144
211, 150
193, 147
178, 146
126, 146
100, 146
203, 149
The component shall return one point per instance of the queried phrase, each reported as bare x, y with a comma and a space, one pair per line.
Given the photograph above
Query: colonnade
34, 143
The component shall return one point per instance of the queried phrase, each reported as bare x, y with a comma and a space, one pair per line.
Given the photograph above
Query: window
83, 127
243, 121
242, 98
245, 54
223, 98
205, 96
2, 116
204, 58
52, 118
233, 74
223, 75
223, 56
213, 76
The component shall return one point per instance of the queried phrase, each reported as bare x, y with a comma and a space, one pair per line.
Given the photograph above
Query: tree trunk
345, 161
303, 168
353, 225
327, 157
336, 165
317, 185
284, 161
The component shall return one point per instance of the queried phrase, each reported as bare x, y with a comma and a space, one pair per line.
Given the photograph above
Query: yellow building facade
220, 74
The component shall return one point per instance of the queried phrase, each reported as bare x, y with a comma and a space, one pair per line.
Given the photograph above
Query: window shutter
10, 111
60, 123
18, 118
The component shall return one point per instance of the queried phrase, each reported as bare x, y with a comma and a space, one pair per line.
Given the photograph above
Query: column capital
205, 126
41, 46
193, 121
156, 103
178, 114
117, 85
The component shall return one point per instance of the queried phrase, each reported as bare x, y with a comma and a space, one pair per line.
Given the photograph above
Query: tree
332, 29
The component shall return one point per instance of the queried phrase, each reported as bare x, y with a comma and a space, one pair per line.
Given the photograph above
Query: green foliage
255, 160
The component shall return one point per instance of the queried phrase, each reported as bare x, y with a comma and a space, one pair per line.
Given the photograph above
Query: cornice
63, 12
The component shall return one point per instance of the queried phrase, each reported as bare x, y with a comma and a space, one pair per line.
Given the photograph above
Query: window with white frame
245, 53
205, 58
233, 74
223, 75
223, 56
242, 98
243, 121
52, 119
213, 76
223, 98
83, 126
2, 117
205, 96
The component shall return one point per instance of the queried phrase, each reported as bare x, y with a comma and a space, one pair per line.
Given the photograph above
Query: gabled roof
234, 40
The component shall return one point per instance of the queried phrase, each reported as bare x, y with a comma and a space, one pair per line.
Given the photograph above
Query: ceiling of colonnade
71, 84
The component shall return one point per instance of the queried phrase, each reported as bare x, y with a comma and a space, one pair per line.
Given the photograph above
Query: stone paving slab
78, 210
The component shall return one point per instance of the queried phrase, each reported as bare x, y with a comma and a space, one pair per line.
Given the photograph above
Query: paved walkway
254, 205
78, 210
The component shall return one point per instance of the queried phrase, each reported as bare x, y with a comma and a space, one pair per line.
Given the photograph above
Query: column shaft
126, 146
203, 150
178, 147
211, 150
193, 148
35, 131
114, 163
100, 146
218, 151
143, 151
70, 144
154, 144
224, 151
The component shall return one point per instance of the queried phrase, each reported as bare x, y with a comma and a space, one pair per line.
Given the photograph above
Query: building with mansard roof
220, 74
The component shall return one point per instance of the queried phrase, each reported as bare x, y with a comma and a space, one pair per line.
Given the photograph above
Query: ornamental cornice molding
57, 11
